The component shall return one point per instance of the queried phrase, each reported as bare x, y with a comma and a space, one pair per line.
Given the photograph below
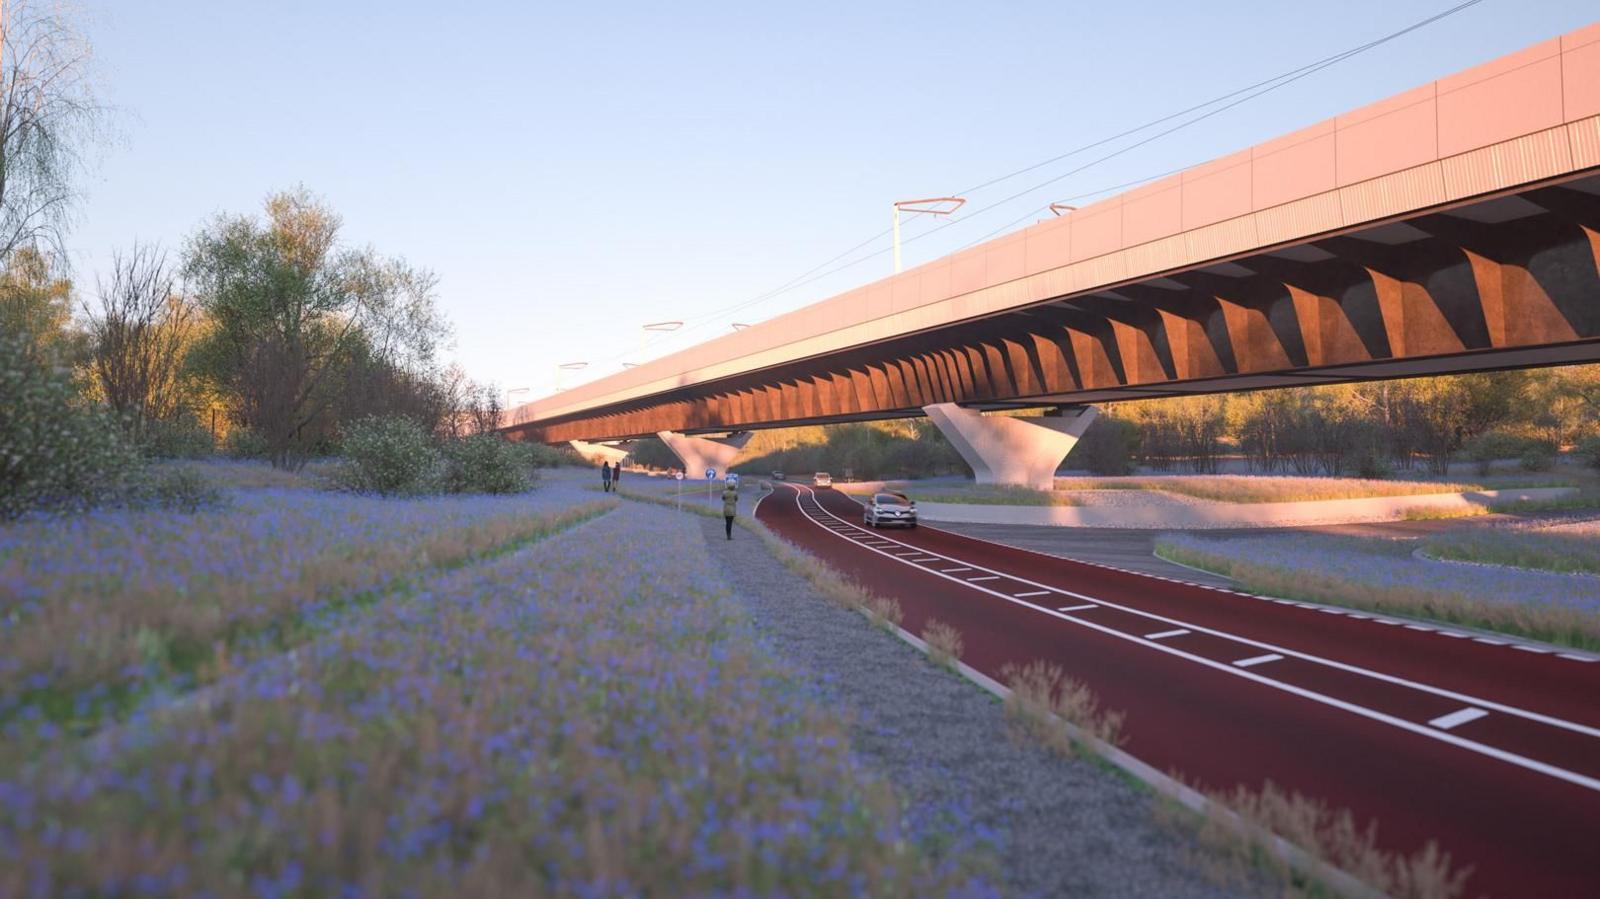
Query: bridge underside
1503, 282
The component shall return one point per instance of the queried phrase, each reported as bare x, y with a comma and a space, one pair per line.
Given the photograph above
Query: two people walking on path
610, 476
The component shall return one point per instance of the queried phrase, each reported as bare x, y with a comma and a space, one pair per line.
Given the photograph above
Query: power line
1249, 92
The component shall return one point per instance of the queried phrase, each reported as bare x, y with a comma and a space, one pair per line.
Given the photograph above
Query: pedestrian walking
730, 508
605, 476
616, 475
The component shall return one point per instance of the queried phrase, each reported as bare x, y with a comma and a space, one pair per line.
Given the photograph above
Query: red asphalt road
1491, 750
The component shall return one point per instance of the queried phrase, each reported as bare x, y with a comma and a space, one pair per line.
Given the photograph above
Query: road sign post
711, 475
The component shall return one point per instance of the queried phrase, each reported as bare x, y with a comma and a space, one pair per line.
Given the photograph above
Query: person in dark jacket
730, 508
605, 476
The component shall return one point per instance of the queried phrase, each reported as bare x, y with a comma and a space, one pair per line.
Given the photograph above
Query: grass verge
1528, 548
1552, 624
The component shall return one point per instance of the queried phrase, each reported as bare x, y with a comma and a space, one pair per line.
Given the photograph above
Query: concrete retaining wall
1232, 515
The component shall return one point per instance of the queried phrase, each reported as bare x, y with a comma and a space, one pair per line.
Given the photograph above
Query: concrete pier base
1019, 452
700, 453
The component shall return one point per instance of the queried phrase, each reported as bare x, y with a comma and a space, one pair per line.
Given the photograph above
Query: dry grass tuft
1044, 700
1331, 837
885, 613
944, 643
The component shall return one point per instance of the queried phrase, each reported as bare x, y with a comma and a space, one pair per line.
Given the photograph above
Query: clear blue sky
573, 170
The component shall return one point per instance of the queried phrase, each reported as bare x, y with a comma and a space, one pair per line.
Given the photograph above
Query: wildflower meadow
587, 714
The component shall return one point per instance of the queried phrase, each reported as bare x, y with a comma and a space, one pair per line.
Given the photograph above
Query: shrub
1538, 455
1485, 449
56, 450
181, 437
245, 443
486, 463
178, 487
388, 455
1589, 452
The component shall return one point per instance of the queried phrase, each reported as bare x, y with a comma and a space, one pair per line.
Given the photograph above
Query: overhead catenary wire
1237, 97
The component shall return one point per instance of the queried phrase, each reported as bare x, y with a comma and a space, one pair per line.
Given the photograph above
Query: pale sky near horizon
572, 172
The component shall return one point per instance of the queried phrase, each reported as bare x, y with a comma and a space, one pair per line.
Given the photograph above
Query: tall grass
1331, 837
1042, 698
944, 643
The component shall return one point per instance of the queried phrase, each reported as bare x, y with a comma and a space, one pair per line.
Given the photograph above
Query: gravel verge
1064, 826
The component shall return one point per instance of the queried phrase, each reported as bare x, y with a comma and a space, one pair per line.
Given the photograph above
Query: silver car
890, 509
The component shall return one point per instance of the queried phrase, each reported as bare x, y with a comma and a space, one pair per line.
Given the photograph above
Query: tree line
266, 332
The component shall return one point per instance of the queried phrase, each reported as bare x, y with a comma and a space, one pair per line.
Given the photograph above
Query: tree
48, 114
138, 338
292, 309
36, 309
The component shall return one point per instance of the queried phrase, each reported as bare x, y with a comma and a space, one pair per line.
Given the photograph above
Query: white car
822, 479
890, 509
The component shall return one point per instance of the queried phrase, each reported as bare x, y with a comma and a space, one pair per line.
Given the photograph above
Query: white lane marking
1031, 593
926, 559
991, 577
1512, 758
1576, 658
1417, 627
1489, 641
1462, 716
1087, 605
1526, 648
1162, 635
1257, 660
955, 570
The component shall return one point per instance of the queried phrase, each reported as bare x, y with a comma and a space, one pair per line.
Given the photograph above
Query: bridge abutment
700, 453
1018, 452
602, 452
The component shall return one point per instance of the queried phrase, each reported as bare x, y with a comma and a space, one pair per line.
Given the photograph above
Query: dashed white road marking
987, 577
1162, 635
954, 570
1257, 660
1032, 593
1087, 605
1456, 718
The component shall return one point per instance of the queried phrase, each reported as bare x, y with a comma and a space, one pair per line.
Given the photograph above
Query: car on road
890, 509
779, 476
822, 479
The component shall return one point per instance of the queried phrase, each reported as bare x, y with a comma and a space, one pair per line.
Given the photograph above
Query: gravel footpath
1066, 827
